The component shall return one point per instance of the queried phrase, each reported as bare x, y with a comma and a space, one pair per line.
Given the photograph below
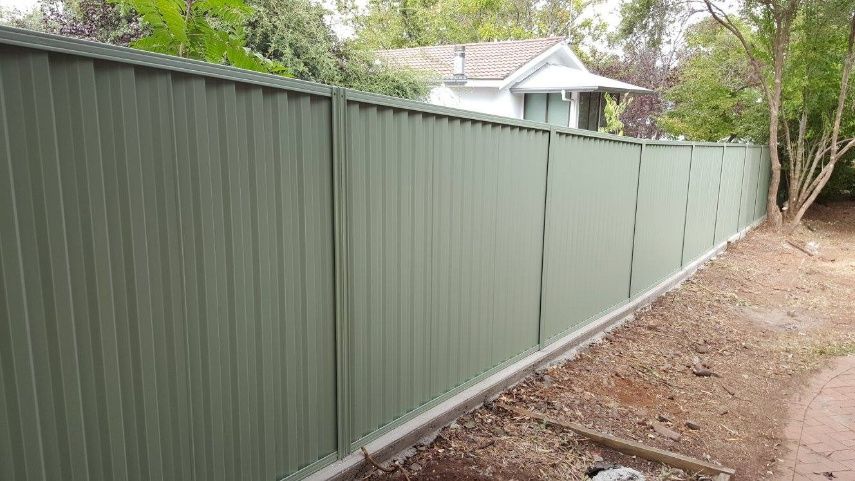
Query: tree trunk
773, 213
798, 206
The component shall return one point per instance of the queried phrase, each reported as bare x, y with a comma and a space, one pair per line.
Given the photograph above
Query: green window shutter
558, 111
534, 107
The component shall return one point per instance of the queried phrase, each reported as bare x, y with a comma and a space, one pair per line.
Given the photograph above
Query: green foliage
361, 72
95, 20
613, 112
386, 24
716, 97
650, 23
295, 33
841, 185
12, 17
812, 72
210, 30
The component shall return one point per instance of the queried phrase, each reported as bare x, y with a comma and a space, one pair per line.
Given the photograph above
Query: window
592, 107
549, 108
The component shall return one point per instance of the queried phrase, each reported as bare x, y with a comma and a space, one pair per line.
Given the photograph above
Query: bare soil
763, 317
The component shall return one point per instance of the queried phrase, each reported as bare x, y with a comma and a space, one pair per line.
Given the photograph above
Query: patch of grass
835, 349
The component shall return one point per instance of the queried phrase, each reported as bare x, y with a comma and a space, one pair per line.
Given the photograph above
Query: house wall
488, 100
491, 100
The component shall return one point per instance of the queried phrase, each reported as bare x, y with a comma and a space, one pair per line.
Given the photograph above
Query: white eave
557, 78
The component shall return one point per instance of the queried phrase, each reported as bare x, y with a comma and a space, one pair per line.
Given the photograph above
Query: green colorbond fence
660, 215
207, 273
704, 184
589, 230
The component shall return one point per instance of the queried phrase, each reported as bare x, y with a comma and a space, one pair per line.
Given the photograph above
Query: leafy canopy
385, 24
209, 30
716, 96
295, 33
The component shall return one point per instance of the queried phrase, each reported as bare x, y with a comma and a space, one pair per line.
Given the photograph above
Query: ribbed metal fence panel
446, 228
660, 217
704, 183
166, 296
730, 191
589, 230
207, 273
763, 184
749, 187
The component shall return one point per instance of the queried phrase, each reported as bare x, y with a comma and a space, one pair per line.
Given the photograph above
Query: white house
539, 79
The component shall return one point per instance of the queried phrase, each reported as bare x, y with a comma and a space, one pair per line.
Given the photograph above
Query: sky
608, 10
22, 5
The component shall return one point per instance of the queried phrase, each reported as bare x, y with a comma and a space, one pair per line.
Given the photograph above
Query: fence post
340, 234
686, 210
550, 157
635, 217
741, 190
754, 215
718, 196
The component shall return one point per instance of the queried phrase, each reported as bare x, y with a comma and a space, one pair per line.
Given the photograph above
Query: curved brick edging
821, 432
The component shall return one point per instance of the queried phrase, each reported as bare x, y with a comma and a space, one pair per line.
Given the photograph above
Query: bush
841, 185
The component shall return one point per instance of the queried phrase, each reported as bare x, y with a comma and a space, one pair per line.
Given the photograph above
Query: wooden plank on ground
632, 448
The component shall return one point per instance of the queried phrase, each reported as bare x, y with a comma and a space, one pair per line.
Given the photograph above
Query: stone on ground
618, 474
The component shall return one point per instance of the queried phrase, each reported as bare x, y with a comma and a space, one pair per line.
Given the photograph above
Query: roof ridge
484, 60
488, 42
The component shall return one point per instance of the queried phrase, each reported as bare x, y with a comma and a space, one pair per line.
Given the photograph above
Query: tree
819, 146
716, 96
295, 33
385, 24
646, 69
95, 20
210, 30
773, 20
649, 46
279, 36
612, 113
801, 80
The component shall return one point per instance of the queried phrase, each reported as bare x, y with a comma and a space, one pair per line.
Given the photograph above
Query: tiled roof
485, 60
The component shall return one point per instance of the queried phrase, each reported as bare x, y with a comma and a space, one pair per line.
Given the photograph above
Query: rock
469, 425
700, 370
547, 380
454, 426
812, 247
666, 432
702, 348
415, 467
663, 418
693, 425
619, 474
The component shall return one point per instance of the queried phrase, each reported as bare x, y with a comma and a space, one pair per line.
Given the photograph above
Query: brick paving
821, 434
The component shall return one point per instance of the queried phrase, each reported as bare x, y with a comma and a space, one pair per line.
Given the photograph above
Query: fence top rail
84, 48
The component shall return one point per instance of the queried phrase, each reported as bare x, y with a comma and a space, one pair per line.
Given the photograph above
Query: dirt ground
763, 318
